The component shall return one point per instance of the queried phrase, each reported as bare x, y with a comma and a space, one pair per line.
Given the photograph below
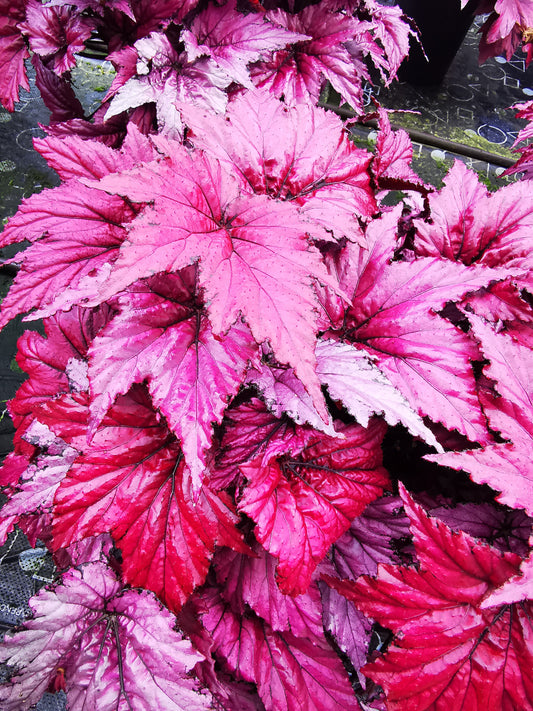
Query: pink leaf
166, 77
502, 302
392, 32
449, 651
393, 317
505, 467
234, 40
13, 52
45, 360
256, 262
353, 380
469, 224
456, 227
58, 32
251, 581
75, 231
36, 489
291, 673
302, 70
517, 589
284, 393
302, 503
394, 153
162, 336
112, 646
131, 481
74, 157
274, 148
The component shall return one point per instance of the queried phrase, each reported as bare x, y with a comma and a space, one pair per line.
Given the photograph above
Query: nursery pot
442, 26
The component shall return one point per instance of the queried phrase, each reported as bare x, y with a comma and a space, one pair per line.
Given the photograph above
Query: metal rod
430, 140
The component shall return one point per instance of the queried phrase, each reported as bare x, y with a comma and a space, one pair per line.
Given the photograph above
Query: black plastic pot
443, 26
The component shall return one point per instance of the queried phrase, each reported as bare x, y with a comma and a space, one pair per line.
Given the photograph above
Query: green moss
14, 366
466, 137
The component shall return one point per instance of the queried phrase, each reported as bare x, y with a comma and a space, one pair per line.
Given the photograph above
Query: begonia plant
250, 354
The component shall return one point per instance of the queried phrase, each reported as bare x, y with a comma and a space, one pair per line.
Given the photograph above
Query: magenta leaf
162, 336
13, 467
505, 467
449, 651
394, 153
46, 360
291, 672
257, 262
302, 503
74, 157
75, 231
131, 481
251, 581
302, 70
470, 225
57, 93
274, 148
393, 317
233, 39
13, 52
56, 32
115, 647
252, 431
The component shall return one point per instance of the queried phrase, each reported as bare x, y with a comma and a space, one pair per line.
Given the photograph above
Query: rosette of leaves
234, 323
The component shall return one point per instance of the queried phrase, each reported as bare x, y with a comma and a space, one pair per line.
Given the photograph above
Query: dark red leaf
302, 503
450, 652
131, 481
